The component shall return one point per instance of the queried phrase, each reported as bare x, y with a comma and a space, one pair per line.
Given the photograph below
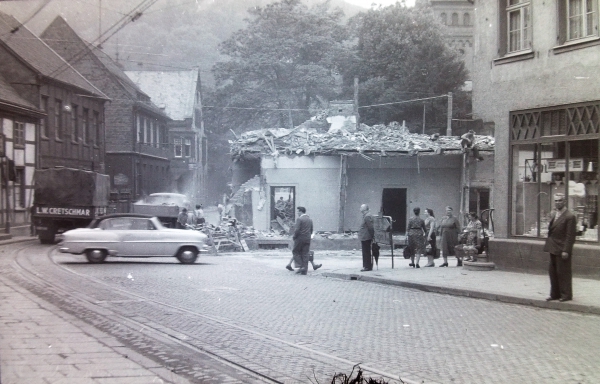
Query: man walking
302, 233
561, 237
366, 233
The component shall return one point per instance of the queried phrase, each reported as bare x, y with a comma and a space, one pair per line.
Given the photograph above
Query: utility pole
424, 118
356, 103
449, 117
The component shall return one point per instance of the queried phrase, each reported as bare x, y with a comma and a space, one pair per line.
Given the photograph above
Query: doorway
393, 203
479, 202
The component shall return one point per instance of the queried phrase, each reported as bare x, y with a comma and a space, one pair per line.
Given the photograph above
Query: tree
280, 66
401, 54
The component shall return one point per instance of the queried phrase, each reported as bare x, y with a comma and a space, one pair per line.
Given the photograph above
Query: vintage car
133, 235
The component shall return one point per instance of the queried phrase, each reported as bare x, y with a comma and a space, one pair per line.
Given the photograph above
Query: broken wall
317, 187
430, 182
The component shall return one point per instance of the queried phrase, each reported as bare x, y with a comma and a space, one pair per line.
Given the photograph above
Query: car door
142, 239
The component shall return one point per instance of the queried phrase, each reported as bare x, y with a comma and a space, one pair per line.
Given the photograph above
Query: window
187, 150
97, 128
19, 134
58, 119
555, 150
178, 149
140, 136
85, 127
444, 18
44, 120
467, 19
455, 19
582, 19
283, 207
74, 123
518, 15
19, 187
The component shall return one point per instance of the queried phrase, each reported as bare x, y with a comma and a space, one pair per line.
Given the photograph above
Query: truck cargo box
68, 187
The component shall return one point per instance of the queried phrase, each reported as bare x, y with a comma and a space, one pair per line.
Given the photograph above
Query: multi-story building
71, 131
137, 155
458, 16
179, 93
535, 78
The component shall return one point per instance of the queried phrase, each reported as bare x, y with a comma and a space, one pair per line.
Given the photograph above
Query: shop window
283, 206
582, 186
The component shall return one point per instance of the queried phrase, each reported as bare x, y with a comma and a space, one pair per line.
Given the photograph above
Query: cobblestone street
248, 309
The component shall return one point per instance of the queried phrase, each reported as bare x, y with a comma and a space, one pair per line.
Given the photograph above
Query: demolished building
333, 173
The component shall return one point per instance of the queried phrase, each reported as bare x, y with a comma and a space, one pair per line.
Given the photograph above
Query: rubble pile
385, 140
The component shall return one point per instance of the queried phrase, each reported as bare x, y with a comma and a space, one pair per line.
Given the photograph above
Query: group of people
423, 235
195, 217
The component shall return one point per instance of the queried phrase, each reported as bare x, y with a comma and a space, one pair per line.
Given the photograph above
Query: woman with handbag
416, 238
430, 229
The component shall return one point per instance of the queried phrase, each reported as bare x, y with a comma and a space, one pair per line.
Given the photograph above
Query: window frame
525, 25
584, 20
74, 123
44, 120
178, 144
187, 147
18, 134
58, 119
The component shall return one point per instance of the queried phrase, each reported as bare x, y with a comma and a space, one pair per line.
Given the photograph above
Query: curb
569, 306
15, 240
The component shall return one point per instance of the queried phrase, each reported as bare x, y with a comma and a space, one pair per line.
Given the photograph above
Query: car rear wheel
96, 255
187, 255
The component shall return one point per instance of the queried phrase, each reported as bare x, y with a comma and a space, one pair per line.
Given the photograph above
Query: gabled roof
10, 97
176, 90
60, 34
378, 140
40, 57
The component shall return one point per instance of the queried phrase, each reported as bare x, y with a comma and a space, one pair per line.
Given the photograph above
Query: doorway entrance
393, 203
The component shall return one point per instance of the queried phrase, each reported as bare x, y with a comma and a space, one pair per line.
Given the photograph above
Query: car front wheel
95, 255
187, 255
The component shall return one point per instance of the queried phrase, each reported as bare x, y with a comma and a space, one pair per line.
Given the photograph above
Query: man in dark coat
366, 232
561, 238
302, 234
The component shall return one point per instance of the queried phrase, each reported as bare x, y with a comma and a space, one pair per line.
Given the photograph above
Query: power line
15, 29
403, 102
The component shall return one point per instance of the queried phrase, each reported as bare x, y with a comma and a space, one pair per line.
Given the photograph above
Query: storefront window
542, 170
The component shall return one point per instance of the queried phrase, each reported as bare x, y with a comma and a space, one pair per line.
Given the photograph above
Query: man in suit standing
560, 241
302, 233
366, 232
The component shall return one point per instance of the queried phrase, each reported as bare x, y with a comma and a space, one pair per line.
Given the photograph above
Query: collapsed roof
384, 140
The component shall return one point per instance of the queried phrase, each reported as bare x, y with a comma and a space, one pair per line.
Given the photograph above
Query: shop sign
559, 165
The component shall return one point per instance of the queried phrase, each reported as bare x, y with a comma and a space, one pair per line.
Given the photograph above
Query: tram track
111, 309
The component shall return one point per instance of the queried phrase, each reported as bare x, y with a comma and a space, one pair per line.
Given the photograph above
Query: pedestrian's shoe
550, 298
366, 269
459, 263
411, 265
301, 272
289, 268
417, 266
430, 265
444, 265
317, 266
563, 299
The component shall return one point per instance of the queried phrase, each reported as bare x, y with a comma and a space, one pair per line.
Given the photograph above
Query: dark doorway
479, 202
393, 203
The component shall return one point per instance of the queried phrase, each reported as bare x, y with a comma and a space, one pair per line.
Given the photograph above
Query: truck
67, 198
166, 206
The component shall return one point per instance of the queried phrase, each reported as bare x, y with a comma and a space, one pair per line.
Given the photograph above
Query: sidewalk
39, 343
508, 287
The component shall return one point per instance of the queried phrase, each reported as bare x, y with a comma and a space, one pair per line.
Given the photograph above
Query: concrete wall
433, 182
317, 182
545, 79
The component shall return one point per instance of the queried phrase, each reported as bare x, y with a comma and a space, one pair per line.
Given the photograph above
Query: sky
367, 3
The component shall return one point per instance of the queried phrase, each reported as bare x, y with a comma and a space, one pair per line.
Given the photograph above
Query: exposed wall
433, 182
317, 182
546, 79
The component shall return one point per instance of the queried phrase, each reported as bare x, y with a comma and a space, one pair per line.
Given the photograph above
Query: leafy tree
401, 54
281, 65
